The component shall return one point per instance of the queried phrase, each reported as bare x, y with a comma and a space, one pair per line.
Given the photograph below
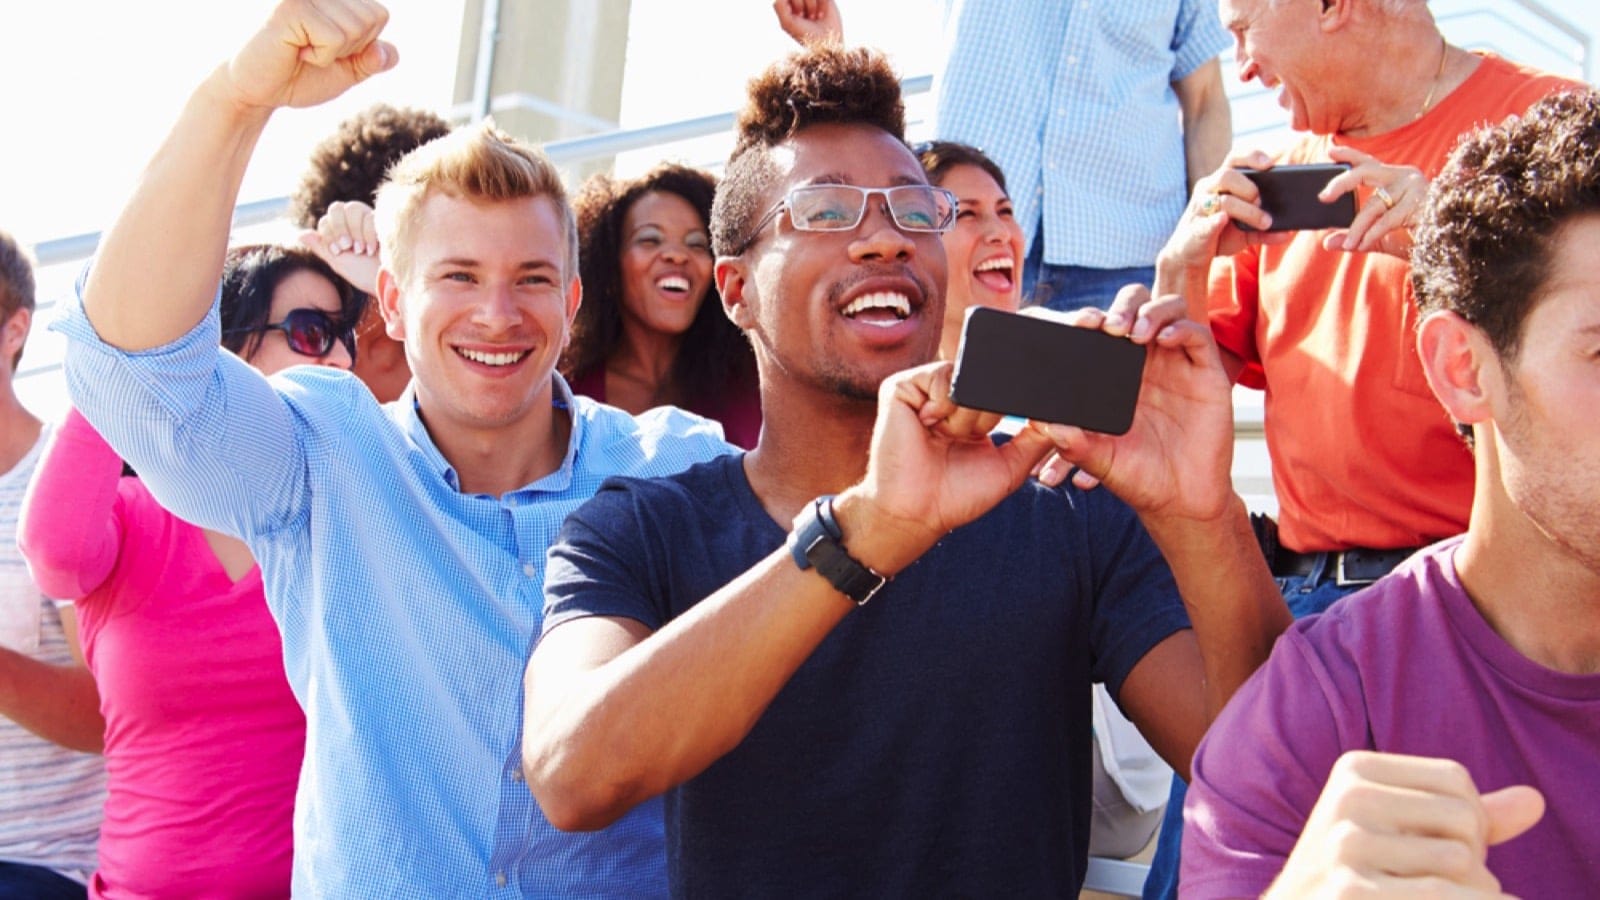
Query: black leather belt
1358, 565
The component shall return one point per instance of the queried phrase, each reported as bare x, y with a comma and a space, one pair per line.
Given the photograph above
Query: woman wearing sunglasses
203, 739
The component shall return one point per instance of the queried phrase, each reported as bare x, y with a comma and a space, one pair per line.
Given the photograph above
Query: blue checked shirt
408, 609
1073, 99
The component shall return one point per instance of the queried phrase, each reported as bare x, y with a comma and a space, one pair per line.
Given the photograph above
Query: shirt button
516, 774
527, 569
500, 879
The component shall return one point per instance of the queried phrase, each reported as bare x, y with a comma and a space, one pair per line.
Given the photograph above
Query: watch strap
818, 542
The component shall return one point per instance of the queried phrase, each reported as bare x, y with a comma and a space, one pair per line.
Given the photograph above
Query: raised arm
346, 237
156, 271
810, 21
69, 531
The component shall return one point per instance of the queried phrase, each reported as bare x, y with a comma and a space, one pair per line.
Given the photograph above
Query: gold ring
1383, 195
1210, 204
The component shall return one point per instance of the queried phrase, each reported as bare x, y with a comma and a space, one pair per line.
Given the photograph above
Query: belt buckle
1339, 577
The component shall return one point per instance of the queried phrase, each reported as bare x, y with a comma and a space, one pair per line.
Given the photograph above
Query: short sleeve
600, 563
1261, 767
1197, 38
1233, 300
1136, 600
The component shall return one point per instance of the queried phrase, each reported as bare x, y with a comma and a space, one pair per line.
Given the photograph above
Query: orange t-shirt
1362, 453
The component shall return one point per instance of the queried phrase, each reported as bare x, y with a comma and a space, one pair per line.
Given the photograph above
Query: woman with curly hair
651, 329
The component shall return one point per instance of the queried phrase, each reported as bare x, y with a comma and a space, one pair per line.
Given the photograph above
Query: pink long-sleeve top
203, 738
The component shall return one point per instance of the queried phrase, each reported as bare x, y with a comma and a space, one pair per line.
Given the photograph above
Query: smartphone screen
1289, 195
1031, 367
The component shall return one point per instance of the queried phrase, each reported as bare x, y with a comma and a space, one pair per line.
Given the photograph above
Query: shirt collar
404, 412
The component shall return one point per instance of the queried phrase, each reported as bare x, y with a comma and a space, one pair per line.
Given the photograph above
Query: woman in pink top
203, 739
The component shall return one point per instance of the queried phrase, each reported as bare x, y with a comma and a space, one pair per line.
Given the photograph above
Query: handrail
1559, 23
614, 141
566, 151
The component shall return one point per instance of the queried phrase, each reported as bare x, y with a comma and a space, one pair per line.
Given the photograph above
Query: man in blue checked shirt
402, 546
1102, 113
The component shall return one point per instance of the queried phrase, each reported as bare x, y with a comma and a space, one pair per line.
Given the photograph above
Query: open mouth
673, 284
998, 274
882, 308
507, 358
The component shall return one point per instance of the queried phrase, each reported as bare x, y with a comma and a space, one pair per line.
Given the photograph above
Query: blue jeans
1066, 288
1305, 594
24, 882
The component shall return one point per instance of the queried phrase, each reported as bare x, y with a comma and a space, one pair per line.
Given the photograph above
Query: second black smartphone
1039, 369
1289, 195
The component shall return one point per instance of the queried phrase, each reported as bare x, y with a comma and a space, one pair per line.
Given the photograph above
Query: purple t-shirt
1406, 666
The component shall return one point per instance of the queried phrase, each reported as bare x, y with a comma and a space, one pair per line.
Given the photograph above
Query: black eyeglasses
311, 332
840, 207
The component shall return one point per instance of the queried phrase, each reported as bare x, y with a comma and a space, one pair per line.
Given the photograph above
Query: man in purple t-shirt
1449, 716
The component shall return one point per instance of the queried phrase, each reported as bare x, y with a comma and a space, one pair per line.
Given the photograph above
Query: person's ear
14, 333
1457, 359
574, 300
1335, 15
733, 280
389, 304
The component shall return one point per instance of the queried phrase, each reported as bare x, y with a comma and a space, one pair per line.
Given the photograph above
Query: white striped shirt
50, 797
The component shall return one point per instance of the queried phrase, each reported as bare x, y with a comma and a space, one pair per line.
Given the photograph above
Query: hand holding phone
1049, 371
1289, 195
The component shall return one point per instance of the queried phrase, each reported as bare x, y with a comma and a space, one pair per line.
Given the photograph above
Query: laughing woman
651, 329
984, 247
203, 738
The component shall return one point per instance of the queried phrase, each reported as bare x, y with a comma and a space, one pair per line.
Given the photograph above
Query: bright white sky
91, 85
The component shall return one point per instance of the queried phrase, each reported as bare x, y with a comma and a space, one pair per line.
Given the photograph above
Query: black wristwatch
817, 542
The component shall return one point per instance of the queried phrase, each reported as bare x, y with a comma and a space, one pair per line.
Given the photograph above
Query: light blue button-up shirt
408, 609
1073, 99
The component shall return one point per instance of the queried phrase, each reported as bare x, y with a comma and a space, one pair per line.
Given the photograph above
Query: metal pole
488, 41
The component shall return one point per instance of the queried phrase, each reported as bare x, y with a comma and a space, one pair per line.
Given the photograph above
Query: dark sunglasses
311, 332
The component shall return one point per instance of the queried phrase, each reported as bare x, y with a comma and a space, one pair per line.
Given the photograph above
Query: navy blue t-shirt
937, 742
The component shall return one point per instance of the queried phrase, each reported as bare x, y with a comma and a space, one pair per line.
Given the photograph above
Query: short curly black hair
350, 163
1483, 247
714, 353
819, 84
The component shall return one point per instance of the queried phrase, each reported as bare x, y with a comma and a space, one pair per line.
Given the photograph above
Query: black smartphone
1289, 195
1031, 367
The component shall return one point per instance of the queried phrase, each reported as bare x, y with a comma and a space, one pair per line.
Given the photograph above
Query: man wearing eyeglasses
856, 659
402, 546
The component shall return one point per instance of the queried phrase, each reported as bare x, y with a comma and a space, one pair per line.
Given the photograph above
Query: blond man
402, 545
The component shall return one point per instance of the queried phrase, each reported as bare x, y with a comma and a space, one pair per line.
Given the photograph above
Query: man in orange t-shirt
1366, 465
